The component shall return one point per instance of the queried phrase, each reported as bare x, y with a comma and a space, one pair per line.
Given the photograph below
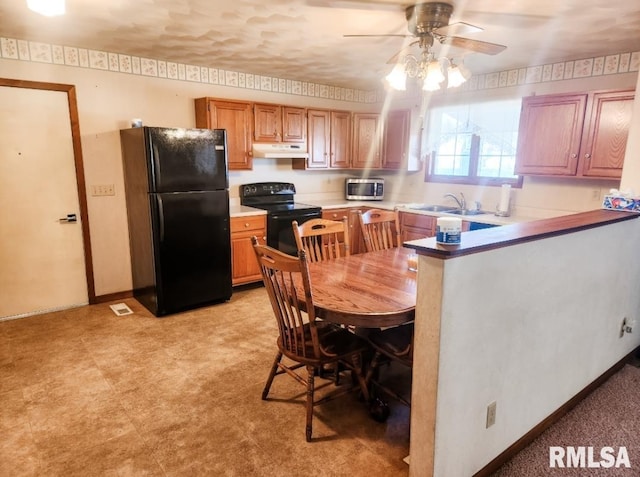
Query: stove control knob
254, 189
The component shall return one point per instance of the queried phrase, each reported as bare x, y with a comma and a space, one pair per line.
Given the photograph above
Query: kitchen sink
433, 208
466, 212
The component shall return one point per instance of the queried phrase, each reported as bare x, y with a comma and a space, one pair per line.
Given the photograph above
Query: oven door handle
297, 216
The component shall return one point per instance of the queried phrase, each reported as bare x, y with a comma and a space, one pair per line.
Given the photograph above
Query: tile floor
85, 392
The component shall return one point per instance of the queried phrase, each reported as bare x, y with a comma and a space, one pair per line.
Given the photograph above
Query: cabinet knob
587, 156
573, 156
246, 225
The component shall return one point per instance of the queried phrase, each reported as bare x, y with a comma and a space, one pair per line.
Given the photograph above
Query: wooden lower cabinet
244, 266
355, 237
416, 226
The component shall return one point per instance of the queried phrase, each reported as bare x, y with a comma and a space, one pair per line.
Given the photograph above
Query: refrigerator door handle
161, 218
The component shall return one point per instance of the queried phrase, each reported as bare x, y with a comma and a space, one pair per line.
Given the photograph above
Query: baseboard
525, 440
114, 296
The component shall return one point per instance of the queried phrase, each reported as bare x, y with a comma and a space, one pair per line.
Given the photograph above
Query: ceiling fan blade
473, 45
391, 5
394, 58
374, 35
458, 28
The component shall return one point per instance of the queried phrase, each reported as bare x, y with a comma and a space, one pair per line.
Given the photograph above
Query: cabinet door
244, 266
319, 139
416, 226
604, 144
340, 140
550, 133
267, 123
294, 124
367, 141
396, 139
236, 118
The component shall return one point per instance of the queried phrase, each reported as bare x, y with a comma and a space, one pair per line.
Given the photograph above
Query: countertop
328, 204
497, 237
244, 211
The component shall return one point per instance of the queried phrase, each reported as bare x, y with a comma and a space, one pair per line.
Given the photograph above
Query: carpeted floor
608, 417
87, 393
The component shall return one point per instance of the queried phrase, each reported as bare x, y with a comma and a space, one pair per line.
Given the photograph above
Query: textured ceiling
303, 39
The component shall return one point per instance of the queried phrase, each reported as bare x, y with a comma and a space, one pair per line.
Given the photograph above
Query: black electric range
277, 198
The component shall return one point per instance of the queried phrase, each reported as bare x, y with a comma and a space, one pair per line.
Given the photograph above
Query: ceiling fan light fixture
49, 8
456, 75
397, 79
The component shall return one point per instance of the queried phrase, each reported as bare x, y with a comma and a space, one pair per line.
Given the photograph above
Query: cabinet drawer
335, 214
418, 220
252, 222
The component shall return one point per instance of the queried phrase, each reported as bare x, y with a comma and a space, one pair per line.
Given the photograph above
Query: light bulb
397, 79
456, 75
49, 8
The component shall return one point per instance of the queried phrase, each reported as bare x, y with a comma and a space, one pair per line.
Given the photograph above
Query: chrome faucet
462, 203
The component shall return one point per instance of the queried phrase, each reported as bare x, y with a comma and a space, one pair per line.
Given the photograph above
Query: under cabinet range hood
280, 151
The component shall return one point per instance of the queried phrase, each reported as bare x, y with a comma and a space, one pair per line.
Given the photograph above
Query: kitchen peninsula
503, 319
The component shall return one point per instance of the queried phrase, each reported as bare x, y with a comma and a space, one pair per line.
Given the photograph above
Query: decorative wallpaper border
23, 50
11, 48
583, 68
598, 66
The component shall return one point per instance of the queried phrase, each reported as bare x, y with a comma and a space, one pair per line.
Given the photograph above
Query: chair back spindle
380, 229
322, 239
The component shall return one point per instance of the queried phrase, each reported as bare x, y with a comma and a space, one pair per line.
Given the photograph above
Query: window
474, 143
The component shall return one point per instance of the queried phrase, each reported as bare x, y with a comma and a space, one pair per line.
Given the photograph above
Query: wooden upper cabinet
580, 135
549, 134
604, 143
340, 152
318, 139
294, 124
367, 141
396, 139
237, 118
328, 140
275, 123
267, 125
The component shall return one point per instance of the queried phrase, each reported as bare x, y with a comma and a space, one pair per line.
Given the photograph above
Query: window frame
472, 178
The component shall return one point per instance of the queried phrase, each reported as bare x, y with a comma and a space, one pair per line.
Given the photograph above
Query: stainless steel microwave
364, 189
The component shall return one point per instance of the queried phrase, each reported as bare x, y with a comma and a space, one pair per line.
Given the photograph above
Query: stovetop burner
272, 196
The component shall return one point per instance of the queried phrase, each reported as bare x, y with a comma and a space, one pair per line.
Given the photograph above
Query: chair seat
396, 342
336, 343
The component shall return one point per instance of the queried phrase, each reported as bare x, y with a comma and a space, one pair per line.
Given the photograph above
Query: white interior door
42, 264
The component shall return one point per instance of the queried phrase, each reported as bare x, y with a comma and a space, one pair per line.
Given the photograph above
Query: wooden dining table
369, 290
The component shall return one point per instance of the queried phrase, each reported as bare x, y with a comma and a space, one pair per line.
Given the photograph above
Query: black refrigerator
177, 193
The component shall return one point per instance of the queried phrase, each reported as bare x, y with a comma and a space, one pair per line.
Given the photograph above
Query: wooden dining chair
322, 239
380, 229
395, 344
307, 342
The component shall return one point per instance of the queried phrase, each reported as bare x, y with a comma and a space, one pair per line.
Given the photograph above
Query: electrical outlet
491, 414
102, 190
623, 327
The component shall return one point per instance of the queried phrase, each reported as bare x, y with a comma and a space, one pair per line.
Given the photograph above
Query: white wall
107, 101
539, 197
527, 326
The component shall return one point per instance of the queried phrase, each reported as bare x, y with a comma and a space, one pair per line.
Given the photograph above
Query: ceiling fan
430, 21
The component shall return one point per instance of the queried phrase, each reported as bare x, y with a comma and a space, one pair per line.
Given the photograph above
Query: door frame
70, 90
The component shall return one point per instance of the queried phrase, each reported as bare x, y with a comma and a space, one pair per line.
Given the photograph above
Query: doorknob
69, 219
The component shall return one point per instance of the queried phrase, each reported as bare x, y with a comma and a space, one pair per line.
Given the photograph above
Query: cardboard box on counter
619, 202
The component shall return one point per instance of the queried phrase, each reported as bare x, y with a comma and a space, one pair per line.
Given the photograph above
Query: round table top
373, 289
